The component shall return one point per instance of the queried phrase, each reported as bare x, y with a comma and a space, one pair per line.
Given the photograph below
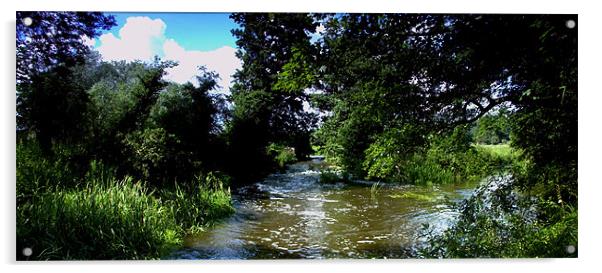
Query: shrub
498, 222
449, 159
329, 177
281, 154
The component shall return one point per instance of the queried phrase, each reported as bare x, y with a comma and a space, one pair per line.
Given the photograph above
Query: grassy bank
121, 220
63, 215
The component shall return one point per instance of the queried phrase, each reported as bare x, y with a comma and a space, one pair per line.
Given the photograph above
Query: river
292, 215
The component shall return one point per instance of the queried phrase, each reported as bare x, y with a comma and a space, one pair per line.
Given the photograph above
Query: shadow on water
291, 215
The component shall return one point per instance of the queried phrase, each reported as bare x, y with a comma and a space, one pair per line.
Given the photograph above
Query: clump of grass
201, 203
413, 195
425, 170
112, 220
438, 167
374, 189
63, 213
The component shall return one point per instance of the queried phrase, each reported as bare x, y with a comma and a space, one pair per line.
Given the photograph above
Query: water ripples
292, 215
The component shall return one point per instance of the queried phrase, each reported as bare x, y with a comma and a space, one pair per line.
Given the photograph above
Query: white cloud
142, 38
222, 60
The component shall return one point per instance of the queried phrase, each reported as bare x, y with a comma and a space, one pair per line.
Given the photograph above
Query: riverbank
98, 216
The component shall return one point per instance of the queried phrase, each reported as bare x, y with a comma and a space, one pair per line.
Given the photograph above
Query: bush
449, 159
281, 154
330, 176
497, 222
389, 154
104, 220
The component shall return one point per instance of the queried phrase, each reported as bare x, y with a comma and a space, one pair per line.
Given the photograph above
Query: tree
372, 67
493, 128
529, 62
268, 93
51, 107
441, 71
55, 38
50, 98
188, 119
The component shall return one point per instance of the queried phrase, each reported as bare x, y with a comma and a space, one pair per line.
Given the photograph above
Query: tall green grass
36, 172
438, 166
201, 203
65, 215
119, 220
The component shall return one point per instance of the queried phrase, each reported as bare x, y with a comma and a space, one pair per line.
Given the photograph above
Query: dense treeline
402, 98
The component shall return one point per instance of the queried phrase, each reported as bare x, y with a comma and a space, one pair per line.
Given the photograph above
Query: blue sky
191, 39
193, 31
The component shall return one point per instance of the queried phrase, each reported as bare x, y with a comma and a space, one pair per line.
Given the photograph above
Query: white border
589, 131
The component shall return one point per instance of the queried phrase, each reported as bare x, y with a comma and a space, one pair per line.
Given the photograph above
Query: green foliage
201, 202
104, 220
50, 105
268, 91
548, 138
493, 128
397, 90
331, 176
281, 154
386, 157
150, 150
375, 188
37, 51
109, 103
414, 196
296, 74
396, 157
499, 223
37, 173
64, 188
111, 219
153, 133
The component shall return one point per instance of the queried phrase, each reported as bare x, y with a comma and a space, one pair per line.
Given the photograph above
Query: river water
292, 215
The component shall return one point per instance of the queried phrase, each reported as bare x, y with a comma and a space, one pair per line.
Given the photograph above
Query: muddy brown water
292, 215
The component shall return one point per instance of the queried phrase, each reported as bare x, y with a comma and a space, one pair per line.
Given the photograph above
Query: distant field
502, 150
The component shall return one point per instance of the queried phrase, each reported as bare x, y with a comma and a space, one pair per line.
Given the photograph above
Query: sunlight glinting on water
293, 215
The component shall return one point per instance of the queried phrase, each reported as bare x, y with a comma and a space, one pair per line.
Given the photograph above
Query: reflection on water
292, 215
